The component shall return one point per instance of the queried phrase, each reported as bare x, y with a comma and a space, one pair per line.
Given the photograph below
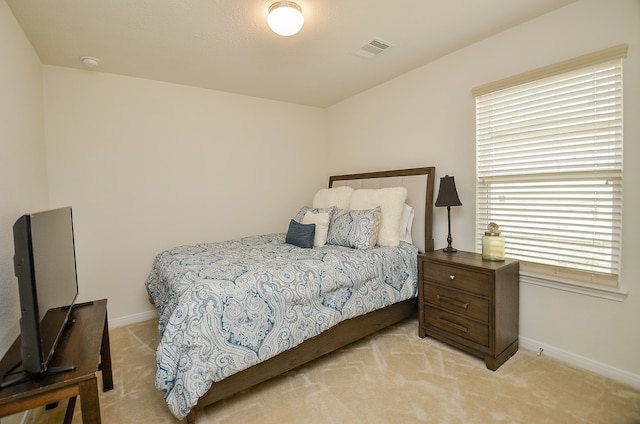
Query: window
549, 167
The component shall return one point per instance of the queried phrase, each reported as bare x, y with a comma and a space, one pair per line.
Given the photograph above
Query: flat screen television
45, 265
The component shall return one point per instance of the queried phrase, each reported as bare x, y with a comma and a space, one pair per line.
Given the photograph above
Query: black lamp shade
447, 195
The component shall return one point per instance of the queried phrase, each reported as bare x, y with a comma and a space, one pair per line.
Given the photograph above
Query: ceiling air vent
372, 49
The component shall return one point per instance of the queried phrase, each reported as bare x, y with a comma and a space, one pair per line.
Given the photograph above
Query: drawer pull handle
452, 277
453, 302
454, 325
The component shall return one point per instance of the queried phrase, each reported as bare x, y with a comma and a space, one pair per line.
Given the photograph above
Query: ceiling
226, 45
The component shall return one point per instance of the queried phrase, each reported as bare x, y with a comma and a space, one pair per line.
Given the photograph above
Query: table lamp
448, 196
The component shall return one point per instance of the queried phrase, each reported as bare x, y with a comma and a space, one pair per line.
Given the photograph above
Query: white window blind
549, 170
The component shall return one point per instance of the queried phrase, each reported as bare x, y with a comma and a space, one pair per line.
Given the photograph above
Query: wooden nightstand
470, 303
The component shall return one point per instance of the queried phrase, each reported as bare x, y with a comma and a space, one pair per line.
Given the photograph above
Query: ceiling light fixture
285, 18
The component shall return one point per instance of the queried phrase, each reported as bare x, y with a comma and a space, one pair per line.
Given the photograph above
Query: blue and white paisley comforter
227, 306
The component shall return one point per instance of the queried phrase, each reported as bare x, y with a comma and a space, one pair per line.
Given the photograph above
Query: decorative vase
493, 243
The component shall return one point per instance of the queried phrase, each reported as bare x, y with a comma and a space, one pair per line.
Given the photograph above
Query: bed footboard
334, 338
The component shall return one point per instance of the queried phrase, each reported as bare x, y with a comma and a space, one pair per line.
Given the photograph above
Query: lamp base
449, 249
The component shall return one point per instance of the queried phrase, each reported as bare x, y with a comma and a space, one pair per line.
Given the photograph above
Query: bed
228, 323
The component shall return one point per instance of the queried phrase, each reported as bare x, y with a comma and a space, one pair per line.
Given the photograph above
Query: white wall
148, 165
23, 185
427, 117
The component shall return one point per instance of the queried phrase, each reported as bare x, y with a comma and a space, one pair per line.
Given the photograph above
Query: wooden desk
85, 344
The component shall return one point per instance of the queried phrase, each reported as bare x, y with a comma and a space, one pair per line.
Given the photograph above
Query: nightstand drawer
457, 325
452, 300
462, 279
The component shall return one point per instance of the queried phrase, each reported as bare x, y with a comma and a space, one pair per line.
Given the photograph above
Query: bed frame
419, 183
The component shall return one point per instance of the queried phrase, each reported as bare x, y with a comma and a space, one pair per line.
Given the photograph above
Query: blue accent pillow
301, 235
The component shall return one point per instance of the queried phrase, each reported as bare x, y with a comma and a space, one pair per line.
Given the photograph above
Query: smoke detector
90, 61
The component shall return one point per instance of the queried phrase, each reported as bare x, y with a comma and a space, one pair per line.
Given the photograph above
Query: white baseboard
133, 319
581, 362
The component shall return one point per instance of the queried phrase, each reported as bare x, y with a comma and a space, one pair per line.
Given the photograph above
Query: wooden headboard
419, 183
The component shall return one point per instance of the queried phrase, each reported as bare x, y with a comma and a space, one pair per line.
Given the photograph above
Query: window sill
609, 293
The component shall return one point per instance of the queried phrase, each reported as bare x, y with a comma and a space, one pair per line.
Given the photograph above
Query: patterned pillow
301, 235
356, 229
391, 201
303, 211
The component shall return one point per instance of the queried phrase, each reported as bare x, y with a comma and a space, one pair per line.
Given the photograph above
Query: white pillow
338, 196
391, 201
406, 223
321, 220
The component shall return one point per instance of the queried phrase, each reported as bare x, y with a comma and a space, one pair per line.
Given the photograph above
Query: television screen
45, 265
54, 258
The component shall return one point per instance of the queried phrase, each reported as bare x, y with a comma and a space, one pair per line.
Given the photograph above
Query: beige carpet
391, 377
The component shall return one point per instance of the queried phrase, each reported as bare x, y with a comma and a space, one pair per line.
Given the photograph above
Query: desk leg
105, 359
68, 415
89, 401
